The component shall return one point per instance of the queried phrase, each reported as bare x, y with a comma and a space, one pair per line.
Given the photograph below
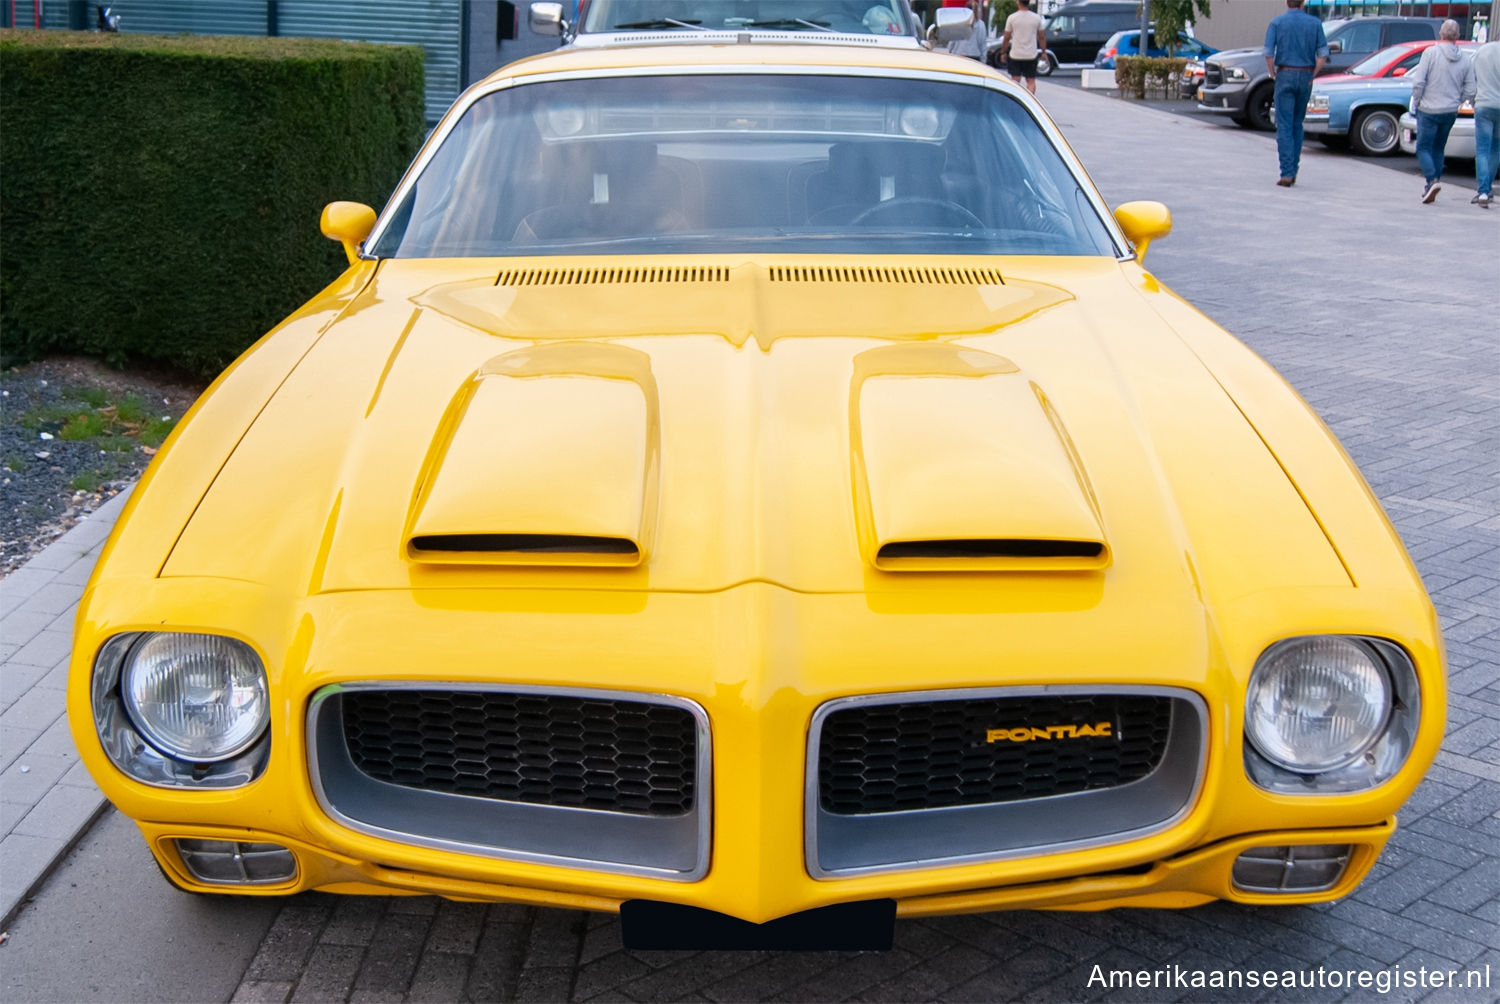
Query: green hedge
1135, 75
159, 196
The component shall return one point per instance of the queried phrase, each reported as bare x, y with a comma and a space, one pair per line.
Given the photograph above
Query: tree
1171, 16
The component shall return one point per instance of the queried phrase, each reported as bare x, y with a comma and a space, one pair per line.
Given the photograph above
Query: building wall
1235, 24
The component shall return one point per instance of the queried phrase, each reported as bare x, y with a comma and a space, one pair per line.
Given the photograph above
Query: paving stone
1407, 884
52, 599
440, 978
61, 813
47, 647
36, 709
456, 928
547, 983
32, 775
16, 679
497, 960
283, 953
354, 920
13, 742
23, 861
398, 948
262, 992
329, 975
556, 936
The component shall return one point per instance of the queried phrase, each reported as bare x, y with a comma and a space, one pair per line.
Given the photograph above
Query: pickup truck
1236, 83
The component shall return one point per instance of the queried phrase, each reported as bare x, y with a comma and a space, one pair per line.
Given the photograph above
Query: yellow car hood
694, 424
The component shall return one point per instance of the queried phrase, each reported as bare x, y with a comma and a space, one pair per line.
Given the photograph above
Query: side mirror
1143, 222
1334, 47
547, 18
953, 24
1399, 71
349, 223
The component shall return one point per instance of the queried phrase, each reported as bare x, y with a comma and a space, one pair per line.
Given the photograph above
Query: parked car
1364, 104
1190, 79
1460, 143
1127, 43
1236, 83
1076, 31
733, 481
601, 22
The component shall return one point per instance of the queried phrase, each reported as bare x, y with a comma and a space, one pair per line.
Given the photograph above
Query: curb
47, 799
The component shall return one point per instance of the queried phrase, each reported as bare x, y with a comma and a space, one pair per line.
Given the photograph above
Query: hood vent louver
609, 276
990, 548
523, 543
877, 274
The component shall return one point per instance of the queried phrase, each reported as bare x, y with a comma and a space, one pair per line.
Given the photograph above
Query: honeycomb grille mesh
931, 754
546, 749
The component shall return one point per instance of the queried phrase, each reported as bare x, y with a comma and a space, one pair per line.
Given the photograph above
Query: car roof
752, 52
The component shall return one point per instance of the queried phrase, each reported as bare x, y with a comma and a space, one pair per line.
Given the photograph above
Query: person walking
1442, 81
1024, 42
1486, 120
1295, 51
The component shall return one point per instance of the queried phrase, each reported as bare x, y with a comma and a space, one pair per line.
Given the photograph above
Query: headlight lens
196, 697
1319, 103
1235, 73
1315, 704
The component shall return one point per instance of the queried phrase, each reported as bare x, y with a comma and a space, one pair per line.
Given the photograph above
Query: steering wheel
920, 210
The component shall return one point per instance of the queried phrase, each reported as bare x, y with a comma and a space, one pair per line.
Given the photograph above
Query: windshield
880, 17
745, 163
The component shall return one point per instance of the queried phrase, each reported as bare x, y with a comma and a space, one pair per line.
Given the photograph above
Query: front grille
544, 749
1213, 75
876, 758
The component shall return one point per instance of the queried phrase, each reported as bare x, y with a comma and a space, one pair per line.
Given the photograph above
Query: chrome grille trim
848, 846
675, 848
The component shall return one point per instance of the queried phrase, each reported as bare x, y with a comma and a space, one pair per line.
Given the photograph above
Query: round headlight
196, 697
1315, 704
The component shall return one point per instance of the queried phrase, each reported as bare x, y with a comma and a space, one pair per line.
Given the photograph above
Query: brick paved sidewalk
47, 799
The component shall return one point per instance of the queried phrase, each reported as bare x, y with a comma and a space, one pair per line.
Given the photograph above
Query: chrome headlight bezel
1375, 761
145, 759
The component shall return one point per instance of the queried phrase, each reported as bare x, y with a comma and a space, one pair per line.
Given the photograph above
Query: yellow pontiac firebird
756, 484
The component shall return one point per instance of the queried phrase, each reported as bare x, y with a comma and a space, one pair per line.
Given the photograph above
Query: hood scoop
981, 549
546, 456
962, 465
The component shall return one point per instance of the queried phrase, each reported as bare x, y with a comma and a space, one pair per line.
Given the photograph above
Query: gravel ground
73, 433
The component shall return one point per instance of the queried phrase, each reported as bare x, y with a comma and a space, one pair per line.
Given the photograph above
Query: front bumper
1319, 125
1177, 881
1226, 99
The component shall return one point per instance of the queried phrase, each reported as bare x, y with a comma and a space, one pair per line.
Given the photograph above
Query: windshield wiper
666, 22
790, 24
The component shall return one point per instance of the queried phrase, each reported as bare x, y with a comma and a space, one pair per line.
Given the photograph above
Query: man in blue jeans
1443, 80
1486, 120
1295, 51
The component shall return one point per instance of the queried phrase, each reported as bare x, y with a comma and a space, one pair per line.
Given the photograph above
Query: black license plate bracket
866, 926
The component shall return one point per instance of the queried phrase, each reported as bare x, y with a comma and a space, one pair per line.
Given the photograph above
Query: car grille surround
927, 779
614, 781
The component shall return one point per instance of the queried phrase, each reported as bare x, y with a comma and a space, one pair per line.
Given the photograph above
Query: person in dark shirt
1295, 51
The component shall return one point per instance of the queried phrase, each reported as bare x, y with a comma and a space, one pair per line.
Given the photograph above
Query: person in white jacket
1486, 120
1443, 80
